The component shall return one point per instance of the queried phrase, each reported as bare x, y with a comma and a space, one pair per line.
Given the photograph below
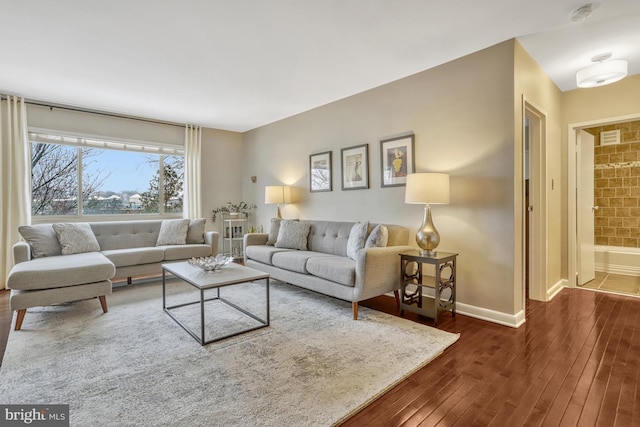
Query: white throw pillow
195, 232
173, 232
293, 235
42, 238
357, 238
378, 238
76, 238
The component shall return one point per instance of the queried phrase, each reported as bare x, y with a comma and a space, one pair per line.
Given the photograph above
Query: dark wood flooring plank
625, 328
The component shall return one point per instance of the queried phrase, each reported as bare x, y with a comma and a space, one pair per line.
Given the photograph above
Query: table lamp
427, 189
277, 194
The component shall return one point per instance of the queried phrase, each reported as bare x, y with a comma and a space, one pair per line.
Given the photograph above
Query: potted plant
233, 209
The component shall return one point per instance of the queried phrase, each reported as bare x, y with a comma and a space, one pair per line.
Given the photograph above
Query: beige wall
462, 116
601, 103
221, 171
532, 83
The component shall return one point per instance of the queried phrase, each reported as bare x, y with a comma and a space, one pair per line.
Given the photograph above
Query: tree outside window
113, 182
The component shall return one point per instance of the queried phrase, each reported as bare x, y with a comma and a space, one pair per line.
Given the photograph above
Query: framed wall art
397, 160
355, 167
320, 172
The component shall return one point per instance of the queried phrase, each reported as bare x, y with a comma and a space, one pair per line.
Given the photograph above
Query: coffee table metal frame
233, 274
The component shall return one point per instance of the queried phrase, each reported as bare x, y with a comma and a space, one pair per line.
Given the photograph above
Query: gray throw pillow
273, 231
195, 232
76, 238
173, 232
378, 237
42, 239
357, 238
293, 235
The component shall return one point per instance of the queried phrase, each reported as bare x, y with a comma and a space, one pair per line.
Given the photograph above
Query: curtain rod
102, 113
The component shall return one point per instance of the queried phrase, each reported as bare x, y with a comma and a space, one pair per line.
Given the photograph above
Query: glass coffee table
232, 274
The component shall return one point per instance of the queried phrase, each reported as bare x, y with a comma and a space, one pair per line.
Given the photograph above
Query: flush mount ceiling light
603, 72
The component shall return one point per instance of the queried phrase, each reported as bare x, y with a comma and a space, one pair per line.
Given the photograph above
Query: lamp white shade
427, 188
602, 73
276, 194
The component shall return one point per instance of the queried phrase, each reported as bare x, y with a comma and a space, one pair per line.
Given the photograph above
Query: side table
414, 283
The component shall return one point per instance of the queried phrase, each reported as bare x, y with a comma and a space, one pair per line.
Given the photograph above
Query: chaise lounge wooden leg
396, 293
354, 305
20, 318
103, 303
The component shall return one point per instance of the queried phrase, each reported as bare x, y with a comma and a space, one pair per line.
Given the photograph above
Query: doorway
580, 256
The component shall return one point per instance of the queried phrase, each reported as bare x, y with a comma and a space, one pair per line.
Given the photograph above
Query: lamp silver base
428, 253
427, 236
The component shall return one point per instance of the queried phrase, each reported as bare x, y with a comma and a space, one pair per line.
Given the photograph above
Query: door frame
538, 264
572, 219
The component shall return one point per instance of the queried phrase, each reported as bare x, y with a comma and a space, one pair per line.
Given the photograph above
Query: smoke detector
582, 13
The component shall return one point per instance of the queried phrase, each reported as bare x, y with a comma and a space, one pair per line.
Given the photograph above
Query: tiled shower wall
617, 186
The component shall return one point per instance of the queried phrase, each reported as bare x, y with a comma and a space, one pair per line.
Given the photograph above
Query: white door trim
538, 263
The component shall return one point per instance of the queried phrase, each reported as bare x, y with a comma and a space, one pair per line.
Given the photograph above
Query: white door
585, 207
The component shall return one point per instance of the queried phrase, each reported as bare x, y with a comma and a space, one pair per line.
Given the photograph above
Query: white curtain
192, 182
15, 179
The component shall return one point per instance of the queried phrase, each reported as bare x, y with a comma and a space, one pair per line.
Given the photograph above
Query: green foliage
172, 197
242, 208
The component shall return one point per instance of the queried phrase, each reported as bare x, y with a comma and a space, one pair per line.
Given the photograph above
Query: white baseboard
511, 320
555, 289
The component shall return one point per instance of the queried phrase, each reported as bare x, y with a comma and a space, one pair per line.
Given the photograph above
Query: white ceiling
241, 64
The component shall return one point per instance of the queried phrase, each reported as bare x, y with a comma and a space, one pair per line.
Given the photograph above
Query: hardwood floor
576, 362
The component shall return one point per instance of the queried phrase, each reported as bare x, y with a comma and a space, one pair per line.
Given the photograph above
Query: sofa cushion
357, 238
175, 252
195, 232
173, 232
292, 260
293, 235
76, 238
42, 239
335, 268
263, 254
60, 271
378, 237
134, 256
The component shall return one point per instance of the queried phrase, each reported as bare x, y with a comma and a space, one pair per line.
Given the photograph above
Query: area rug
135, 366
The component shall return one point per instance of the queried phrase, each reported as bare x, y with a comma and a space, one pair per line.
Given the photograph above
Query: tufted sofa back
331, 237
126, 234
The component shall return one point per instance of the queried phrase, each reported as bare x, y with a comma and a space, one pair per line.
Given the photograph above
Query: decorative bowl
210, 263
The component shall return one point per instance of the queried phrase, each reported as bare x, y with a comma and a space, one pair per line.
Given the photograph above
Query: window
82, 176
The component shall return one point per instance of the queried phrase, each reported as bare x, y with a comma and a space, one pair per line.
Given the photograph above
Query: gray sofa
52, 268
323, 265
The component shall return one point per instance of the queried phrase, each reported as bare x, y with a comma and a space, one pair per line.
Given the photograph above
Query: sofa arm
252, 239
378, 271
21, 252
212, 238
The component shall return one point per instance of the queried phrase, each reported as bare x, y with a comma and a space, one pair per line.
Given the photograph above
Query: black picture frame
320, 172
397, 160
355, 167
